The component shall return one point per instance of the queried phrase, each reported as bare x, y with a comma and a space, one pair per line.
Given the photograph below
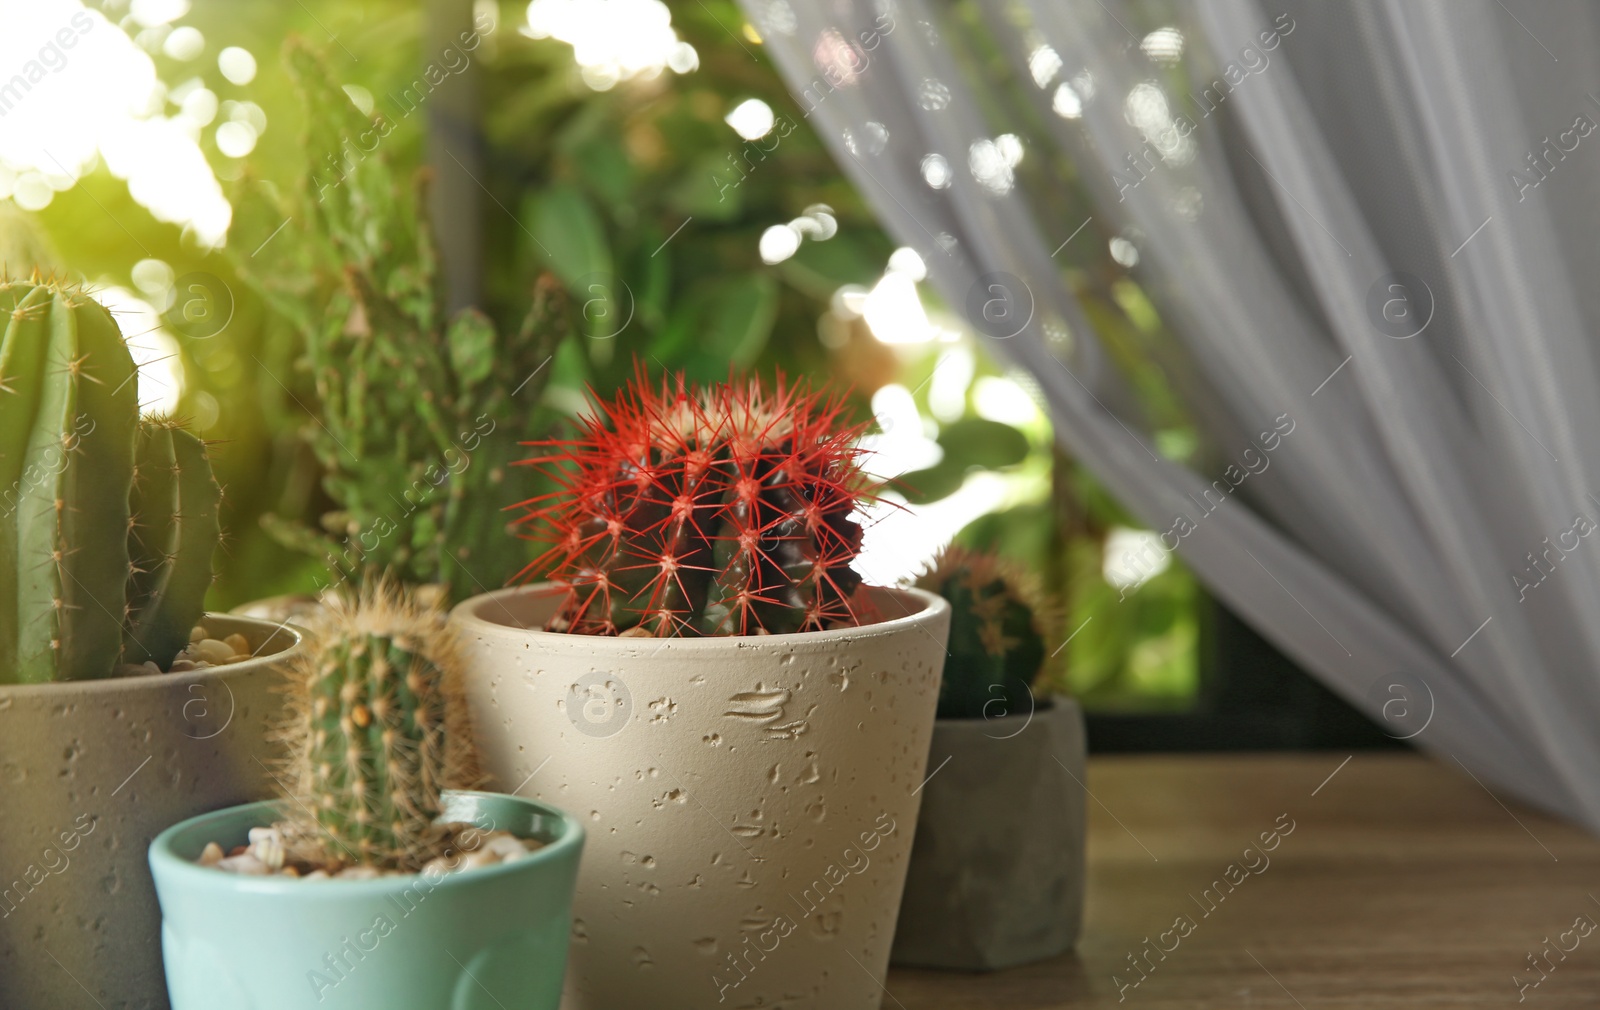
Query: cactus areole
718, 511
107, 522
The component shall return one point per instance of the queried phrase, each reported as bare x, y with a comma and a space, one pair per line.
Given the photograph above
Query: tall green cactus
71, 597
379, 729
418, 412
997, 626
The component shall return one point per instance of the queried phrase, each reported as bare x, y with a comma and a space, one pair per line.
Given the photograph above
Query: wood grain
1404, 883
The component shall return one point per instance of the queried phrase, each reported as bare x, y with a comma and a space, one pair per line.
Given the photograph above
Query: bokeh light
615, 41
99, 98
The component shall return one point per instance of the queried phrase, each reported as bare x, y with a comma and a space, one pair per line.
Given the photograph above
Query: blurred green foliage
1115, 648
650, 211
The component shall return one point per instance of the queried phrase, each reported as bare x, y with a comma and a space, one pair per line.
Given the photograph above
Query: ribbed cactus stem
174, 528
720, 511
380, 731
91, 562
68, 411
997, 645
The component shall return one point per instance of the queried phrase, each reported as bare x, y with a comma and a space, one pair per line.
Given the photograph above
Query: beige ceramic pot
750, 802
90, 772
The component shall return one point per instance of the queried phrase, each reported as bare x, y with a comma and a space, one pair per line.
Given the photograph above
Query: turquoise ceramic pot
481, 939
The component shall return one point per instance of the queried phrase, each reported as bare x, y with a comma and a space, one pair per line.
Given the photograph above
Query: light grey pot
90, 772
997, 868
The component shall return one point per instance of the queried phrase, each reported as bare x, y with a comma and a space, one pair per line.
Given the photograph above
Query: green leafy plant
414, 428
998, 624
109, 522
596, 187
723, 510
379, 729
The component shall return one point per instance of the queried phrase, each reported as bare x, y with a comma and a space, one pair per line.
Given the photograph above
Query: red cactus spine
723, 511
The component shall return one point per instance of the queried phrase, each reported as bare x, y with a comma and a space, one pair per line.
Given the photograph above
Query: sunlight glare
751, 119
615, 41
154, 350
70, 105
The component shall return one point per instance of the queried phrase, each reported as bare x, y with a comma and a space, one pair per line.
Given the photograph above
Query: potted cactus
122, 705
745, 726
379, 879
1010, 782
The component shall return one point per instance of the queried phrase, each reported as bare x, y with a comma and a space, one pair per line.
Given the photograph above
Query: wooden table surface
1403, 883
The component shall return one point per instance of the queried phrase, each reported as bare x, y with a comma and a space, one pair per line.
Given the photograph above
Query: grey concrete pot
90, 772
997, 868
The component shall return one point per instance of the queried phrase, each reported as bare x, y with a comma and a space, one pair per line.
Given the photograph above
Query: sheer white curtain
1374, 228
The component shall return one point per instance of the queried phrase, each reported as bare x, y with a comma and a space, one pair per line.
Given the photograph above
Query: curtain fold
1372, 223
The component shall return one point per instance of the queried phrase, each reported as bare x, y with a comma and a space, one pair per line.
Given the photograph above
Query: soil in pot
461, 846
204, 651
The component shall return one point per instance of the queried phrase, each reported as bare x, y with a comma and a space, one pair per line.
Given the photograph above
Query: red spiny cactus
718, 511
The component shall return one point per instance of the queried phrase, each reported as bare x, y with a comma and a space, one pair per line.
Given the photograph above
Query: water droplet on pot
707, 944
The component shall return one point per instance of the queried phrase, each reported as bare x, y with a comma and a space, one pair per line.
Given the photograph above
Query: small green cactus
96, 566
379, 729
997, 635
